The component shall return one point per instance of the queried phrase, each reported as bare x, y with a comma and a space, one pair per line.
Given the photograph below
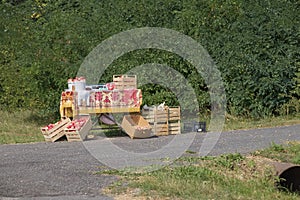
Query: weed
229, 161
190, 152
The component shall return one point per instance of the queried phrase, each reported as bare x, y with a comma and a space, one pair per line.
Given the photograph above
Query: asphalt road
65, 170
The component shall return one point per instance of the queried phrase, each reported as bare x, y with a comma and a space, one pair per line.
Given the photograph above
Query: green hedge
255, 45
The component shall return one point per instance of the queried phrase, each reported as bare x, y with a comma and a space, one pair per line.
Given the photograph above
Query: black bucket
194, 127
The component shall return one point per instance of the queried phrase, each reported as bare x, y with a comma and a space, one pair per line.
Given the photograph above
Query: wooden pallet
57, 131
122, 82
74, 135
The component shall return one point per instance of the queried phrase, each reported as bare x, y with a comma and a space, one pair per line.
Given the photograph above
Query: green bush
255, 45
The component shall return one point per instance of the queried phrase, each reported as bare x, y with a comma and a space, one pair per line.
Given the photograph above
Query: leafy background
255, 45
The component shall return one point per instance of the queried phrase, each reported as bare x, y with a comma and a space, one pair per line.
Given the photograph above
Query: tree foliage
255, 45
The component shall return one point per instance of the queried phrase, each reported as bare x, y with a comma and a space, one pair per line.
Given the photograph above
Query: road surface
63, 170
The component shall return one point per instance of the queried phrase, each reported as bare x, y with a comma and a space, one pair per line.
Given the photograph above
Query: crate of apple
76, 124
52, 127
53, 132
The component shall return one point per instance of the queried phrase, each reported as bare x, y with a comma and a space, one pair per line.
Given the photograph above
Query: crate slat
174, 118
174, 132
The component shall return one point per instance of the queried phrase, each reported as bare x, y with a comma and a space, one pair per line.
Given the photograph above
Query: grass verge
236, 123
285, 153
19, 127
230, 176
24, 126
242, 123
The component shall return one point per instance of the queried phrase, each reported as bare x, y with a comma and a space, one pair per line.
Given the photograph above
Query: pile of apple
51, 126
76, 124
110, 86
70, 80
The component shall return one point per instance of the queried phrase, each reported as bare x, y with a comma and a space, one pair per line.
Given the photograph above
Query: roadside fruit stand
79, 100
120, 96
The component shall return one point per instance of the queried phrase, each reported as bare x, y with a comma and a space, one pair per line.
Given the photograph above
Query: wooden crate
122, 82
153, 115
136, 126
174, 120
160, 129
173, 113
174, 128
57, 131
74, 135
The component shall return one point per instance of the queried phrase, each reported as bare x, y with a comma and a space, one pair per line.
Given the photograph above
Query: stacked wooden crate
122, 82
174, 120
158, 120
163, 121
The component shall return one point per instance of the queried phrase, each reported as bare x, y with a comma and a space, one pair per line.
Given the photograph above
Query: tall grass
20, 127
236, 123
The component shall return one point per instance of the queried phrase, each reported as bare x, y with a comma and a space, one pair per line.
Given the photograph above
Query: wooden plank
125, 83
174, 114
122, 84
73, 137
174, 109
152, 119
174, 132
175, 128
174, 118
161, 133
87, 110
174, 124
122, 77
53, 138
